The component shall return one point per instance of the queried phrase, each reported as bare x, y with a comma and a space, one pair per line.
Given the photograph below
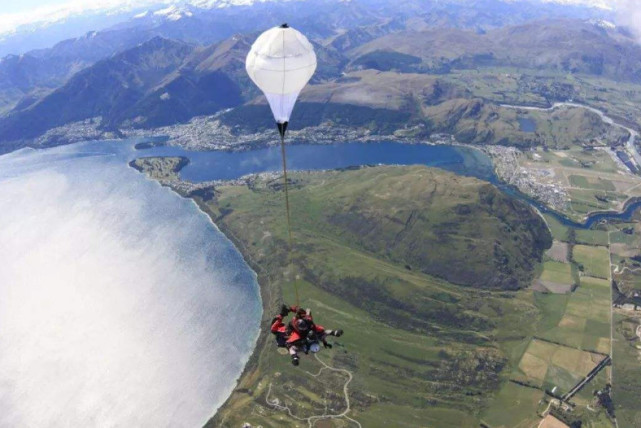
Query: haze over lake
120, 303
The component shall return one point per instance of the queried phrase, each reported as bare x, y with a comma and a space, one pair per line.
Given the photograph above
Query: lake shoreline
585, 223
269, 293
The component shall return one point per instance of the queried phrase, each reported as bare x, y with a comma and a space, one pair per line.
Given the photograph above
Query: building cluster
209, 133
538, 183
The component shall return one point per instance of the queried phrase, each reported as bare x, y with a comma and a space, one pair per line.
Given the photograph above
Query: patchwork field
571, 335
548, 365
584, 321
627, 368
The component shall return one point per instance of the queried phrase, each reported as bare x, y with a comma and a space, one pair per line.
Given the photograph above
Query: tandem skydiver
301, 334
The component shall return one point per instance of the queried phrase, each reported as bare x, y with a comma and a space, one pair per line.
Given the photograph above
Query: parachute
281, 62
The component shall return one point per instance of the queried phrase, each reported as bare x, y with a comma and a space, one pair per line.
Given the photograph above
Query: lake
526, 124
120, 302
463, 160
216, 165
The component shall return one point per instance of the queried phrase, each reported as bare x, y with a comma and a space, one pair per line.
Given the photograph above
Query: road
312, 419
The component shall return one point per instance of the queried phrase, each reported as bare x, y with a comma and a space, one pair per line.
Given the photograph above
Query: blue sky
25, 5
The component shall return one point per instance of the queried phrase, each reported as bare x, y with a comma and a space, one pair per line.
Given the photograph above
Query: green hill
447, 226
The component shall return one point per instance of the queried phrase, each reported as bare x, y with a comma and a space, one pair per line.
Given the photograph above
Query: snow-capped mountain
600, 4
43, 27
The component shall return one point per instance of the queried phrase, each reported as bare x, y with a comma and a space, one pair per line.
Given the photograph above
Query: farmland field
560, 273
595, 260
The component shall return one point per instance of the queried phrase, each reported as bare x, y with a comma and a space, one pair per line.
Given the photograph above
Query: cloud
629, 15
46, 15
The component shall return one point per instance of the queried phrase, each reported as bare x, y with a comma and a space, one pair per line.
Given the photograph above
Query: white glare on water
120, 305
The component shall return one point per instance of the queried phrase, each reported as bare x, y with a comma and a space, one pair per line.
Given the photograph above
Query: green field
558, 230
514, 407
557, 272
627, 370
592, 237
583, 320
595, 260
591, 183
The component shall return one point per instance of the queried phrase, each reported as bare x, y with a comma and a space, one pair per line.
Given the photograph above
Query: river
121, 304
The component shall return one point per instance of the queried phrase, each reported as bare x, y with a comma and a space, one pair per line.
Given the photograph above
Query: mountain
210, 79
24, 78
105, 89
408, 37
569, 46
475, 236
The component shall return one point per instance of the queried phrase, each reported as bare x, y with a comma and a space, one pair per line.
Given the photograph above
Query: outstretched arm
277, 323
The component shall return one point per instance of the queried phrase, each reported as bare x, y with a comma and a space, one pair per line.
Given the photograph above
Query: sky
24, 5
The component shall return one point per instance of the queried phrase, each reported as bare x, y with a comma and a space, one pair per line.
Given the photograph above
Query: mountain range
164, 68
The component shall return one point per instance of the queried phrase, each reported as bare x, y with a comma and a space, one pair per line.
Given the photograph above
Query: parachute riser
282, 128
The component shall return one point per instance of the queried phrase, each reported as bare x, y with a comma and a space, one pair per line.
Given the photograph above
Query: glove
284, 311
337, 333
327, 345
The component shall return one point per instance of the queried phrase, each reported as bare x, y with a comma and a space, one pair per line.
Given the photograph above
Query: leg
293, 351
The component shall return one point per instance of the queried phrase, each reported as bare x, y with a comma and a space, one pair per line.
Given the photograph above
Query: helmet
314, 347
301, 325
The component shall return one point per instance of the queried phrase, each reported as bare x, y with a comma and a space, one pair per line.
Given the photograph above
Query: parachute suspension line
289, 222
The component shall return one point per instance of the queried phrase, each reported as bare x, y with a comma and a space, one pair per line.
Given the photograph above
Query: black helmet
301, 325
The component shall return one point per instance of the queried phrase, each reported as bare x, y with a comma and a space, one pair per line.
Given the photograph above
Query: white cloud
629, 14
45, 15
601, 4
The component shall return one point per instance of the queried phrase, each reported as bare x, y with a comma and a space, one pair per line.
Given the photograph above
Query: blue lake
526, 124
115, 296
468, 161
216, 165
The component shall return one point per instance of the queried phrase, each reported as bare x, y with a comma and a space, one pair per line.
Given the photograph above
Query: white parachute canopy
281, 62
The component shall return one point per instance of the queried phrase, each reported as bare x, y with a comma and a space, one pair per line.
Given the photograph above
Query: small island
163, 169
